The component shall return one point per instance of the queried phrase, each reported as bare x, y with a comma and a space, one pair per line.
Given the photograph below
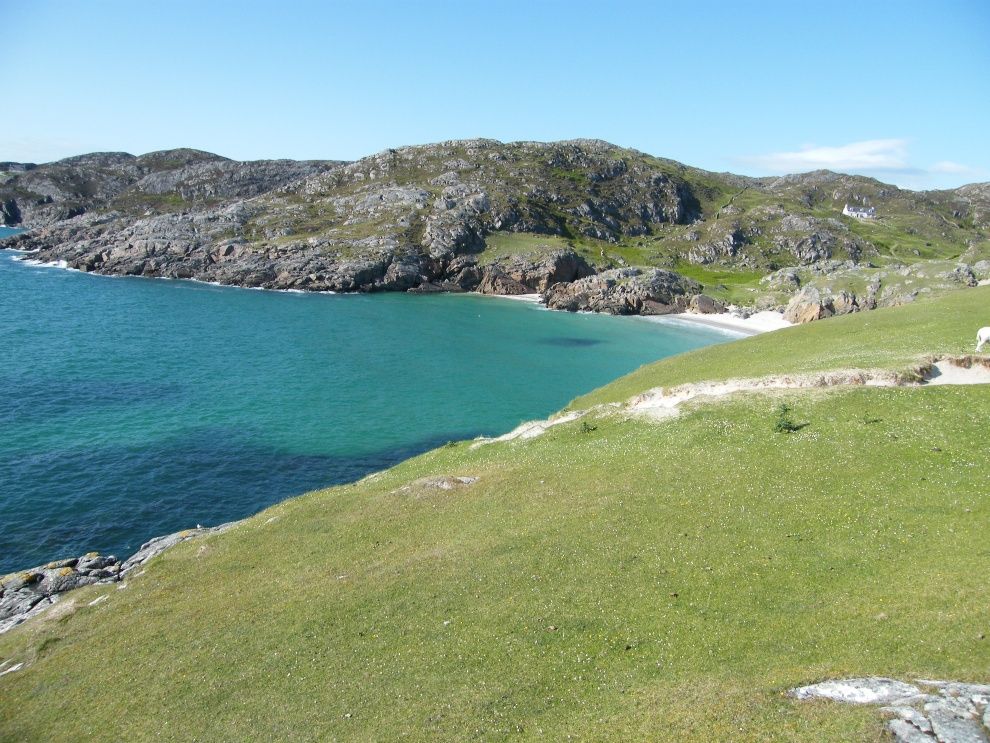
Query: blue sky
897, 90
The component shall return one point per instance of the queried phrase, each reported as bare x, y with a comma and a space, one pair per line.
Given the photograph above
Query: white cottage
860, 212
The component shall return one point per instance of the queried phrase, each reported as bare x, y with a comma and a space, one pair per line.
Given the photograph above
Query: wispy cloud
871, 154
886, 159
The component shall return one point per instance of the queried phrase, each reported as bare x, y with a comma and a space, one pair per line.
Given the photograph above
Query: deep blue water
132, 407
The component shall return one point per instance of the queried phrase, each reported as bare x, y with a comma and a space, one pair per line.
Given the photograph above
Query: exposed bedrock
625, 291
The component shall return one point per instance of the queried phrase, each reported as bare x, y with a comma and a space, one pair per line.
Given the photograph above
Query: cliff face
469, 215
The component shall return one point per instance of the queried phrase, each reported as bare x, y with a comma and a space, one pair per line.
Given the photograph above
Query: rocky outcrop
837, 288
625, 291
523, 275
29, 592
924, 712
811, 304
702, 304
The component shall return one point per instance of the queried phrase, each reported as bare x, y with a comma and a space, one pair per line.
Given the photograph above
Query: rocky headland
586, 224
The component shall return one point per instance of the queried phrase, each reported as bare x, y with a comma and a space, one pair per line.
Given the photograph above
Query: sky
895, 90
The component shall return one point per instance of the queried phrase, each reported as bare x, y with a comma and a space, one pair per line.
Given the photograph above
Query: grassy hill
614, 579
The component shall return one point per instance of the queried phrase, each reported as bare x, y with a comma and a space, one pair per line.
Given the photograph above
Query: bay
134, 407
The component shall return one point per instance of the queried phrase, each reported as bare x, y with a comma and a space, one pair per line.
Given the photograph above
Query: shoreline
727, 322
528, 298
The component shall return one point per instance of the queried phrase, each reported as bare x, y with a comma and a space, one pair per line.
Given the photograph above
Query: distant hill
464, 215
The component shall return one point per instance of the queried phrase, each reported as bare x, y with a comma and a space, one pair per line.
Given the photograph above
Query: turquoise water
132, 407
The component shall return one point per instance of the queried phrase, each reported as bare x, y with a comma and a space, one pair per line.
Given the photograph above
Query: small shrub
587, 428
784, 423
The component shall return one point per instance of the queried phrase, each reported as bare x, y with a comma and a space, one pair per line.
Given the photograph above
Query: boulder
702, 304
526, 275
811, 304
624, 291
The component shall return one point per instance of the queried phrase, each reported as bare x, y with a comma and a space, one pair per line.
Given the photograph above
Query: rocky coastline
586, 224
25, 593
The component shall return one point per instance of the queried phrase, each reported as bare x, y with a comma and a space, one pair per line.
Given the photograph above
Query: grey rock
784, 279
95, 561
18, 602
957, 688
61, 580
905, 732
910, 714
156, 546
951, 728
961, 274
16, 619
961, 706
17, 581
951, 717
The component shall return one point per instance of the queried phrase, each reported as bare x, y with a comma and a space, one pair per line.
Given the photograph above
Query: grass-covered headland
616, 578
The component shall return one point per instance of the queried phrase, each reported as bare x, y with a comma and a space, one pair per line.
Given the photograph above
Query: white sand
760, 322
531, 298
946, 372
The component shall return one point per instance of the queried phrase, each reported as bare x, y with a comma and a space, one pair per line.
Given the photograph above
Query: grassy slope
895, 338
638, 581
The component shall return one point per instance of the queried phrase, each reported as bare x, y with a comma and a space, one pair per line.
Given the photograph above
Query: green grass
624, 580
894, 338
137, 202
500, 245
910, 238
726, 284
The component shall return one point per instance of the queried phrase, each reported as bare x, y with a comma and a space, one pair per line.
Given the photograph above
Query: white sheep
982, 336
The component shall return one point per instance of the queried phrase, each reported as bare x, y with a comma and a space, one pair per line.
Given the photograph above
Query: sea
131, 407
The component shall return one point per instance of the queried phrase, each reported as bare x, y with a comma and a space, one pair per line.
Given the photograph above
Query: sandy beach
759, 322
